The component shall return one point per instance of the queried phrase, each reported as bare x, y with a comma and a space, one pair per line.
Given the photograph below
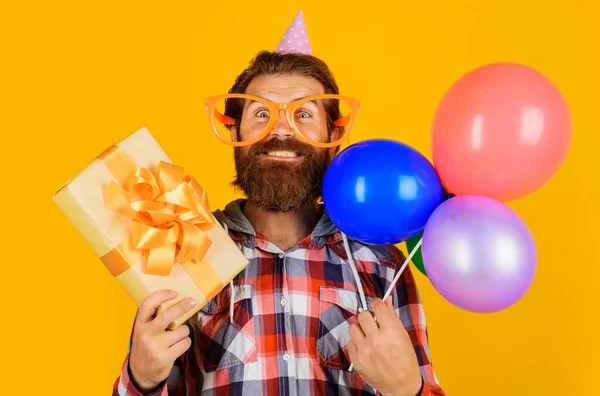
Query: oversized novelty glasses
320, 120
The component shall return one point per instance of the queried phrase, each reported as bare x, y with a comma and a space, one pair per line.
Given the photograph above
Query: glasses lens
240, 119
323, 120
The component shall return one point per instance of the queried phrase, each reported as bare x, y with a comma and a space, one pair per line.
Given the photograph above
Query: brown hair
273, 63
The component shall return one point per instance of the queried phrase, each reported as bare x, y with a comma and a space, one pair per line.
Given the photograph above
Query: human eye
261, 113
306, 112
303, 114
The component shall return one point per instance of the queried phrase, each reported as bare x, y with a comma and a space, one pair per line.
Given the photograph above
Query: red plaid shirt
291, 315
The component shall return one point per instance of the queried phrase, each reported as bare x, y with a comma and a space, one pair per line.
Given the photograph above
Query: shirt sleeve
409, 308
124, 386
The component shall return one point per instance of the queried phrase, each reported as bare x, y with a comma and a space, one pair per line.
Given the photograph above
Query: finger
170, 338
149, 305
164, 319
357, 335
389, 303
352, 351
385, 315
367, 323
179, 348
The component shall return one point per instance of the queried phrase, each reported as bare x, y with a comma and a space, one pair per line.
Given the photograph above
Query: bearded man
305, 317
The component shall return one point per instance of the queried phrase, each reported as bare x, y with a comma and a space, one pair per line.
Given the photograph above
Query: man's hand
384, 355
155, 349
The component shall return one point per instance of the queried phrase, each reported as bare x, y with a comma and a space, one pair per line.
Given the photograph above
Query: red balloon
502, 131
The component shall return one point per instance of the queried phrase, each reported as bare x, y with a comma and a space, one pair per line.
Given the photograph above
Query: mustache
276, 144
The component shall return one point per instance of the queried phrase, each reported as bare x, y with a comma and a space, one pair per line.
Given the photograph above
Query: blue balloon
381, 191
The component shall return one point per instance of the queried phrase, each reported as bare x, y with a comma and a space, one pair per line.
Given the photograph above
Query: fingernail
173, 293
192, 302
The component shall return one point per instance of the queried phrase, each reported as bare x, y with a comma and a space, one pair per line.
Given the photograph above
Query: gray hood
235, 219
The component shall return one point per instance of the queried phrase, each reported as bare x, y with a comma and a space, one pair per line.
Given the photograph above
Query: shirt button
283, 301
281, 255
286, 357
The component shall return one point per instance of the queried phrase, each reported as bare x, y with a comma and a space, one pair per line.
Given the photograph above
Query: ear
233, 132
335, 133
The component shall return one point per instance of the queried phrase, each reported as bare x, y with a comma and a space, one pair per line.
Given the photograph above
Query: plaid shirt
292, 310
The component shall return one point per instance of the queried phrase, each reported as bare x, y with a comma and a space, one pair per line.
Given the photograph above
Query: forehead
284, 88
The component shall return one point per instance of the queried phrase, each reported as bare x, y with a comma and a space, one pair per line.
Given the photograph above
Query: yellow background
79, 76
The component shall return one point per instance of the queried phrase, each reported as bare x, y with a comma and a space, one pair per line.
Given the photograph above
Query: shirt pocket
337, 311
224, 343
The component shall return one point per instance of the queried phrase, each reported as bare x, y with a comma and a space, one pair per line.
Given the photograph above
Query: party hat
295, 38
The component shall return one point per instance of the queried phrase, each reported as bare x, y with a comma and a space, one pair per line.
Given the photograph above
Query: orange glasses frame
274, 108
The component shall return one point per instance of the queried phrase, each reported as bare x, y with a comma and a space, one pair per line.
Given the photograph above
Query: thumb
389, 303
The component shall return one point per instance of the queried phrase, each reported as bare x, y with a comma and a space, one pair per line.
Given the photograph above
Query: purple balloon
478, 253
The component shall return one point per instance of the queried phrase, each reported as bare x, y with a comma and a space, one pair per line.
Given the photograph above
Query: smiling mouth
282, 155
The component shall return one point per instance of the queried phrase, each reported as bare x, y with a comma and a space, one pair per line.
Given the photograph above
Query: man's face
281, 173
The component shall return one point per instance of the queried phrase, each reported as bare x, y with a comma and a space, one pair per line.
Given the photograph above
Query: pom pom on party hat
295, 39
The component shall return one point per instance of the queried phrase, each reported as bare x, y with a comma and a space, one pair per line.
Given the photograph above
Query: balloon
417, 259
478, 253
502, 131
381, 191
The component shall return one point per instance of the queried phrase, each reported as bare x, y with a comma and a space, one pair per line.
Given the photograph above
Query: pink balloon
478, 253
501, 131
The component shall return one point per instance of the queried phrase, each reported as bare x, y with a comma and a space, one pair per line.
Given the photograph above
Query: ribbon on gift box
169, 213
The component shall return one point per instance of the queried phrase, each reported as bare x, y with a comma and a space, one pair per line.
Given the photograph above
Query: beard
281, 186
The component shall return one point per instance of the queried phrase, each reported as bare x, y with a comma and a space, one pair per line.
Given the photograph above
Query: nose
282, 128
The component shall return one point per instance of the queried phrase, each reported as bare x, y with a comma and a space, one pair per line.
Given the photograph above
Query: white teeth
282, 154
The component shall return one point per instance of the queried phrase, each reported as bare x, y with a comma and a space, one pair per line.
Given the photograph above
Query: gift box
150, 224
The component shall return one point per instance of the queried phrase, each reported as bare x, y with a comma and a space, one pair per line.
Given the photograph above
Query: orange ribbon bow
169, 213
